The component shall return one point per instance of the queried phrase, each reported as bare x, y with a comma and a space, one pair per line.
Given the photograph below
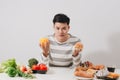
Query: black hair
62, 18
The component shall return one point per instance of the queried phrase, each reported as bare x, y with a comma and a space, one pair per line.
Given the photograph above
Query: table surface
54, 73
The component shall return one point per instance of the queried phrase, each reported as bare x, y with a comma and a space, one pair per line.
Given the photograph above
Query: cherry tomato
42, 66
35, 67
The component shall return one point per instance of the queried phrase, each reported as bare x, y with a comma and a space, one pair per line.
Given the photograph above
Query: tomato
42, 66
23, 68
35, 67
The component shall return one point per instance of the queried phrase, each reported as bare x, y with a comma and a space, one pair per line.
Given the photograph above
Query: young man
60, 51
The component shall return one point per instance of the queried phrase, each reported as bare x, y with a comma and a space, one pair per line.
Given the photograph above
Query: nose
60, 31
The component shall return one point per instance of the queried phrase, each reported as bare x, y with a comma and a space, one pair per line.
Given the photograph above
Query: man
60, 50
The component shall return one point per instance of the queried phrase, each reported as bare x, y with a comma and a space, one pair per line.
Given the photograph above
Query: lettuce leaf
8, 63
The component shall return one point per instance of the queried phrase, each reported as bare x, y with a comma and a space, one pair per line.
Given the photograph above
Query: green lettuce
8, 63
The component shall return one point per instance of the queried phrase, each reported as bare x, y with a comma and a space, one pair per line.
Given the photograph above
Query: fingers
45, 47
78, 45
77, 50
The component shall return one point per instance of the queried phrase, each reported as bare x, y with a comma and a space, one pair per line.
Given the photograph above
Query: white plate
83, 78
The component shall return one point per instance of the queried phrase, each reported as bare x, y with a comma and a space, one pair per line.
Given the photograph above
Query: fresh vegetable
35, 67
29, 71
32, 61
42, 67
11, 71
23, 68
8, 63
25, 75
1, 69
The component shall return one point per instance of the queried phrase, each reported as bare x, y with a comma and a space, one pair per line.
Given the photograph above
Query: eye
64, 28
57, 28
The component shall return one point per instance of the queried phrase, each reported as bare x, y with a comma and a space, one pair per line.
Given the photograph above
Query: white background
95, 22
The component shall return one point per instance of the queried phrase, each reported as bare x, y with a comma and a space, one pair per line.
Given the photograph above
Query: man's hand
45, 46
77, 48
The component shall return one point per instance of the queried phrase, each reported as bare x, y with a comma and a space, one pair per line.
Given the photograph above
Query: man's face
61, 30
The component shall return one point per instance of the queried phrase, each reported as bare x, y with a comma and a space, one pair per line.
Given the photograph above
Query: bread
85, 74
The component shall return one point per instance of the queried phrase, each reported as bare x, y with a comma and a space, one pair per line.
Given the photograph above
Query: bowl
107, 78
42, 71
100, 77
111, 69
34, 71
102, 74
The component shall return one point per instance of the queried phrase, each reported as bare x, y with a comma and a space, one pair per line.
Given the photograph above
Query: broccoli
32, 61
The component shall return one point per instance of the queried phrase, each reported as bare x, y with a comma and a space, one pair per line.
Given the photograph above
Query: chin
60, 39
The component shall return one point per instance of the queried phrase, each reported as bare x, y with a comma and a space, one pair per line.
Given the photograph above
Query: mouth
61, 35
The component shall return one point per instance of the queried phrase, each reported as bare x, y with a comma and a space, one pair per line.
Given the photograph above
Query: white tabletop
54, 73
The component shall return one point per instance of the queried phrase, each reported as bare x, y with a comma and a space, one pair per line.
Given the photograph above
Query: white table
54, 73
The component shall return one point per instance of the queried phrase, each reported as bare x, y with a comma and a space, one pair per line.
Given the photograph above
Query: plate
83, 78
